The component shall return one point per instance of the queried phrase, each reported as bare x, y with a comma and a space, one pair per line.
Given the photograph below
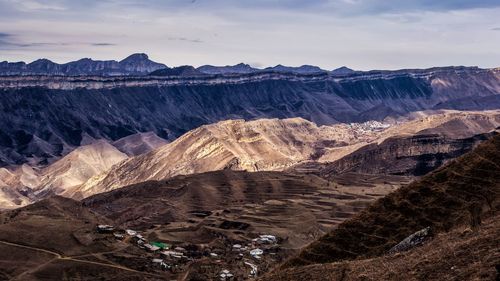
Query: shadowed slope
465, 190
455, 255
59, 224
55, 239
139, 143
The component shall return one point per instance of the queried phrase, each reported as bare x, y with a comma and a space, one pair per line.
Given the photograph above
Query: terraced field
297, 207
218, 209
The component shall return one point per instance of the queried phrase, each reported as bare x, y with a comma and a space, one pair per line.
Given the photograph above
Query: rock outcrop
412, 241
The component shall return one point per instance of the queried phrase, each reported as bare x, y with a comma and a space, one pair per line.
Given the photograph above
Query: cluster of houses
141, 242
166, 251
256, 249
369, 126
168, 257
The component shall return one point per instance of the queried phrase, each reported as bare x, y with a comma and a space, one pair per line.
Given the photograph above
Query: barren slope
80, 165
274, 144
266, 144
456, 255
139, 143
413, 147
55, 239
25, 184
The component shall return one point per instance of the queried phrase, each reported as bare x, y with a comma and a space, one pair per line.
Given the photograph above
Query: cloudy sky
361, 34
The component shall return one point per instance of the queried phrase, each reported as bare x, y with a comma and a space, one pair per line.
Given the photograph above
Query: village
241, 258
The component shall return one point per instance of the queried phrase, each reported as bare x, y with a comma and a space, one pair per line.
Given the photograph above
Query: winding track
60, 257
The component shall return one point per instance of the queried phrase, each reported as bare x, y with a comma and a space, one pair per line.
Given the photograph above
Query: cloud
102, 44
331, 7
38, 44
37, 5
185, 39
496, 28
11, 44
10, 41
338, 7
5, 39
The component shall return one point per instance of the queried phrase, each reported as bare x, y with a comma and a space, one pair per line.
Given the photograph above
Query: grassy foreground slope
454, 255
461, 194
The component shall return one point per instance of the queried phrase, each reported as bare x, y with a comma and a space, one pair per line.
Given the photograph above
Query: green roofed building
163, 246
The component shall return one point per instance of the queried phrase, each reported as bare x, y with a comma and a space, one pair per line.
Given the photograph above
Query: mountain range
405, 148
136, 64
140, 64
76, 108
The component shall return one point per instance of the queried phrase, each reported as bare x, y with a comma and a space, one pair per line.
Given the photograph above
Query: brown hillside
299, 207
463, 192
455, 255
58, 224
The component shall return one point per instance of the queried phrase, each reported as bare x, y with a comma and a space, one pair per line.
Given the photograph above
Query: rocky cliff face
413, 147
417, 155
43, 117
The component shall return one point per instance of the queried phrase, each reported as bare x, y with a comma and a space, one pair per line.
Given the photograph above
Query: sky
360, 34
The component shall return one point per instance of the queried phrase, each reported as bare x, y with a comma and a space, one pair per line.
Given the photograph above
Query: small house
161, 245
151, 248
104, 228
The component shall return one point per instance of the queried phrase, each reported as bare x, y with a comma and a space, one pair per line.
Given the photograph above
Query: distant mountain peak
42, 61
85, 59
303, 69
136, 57
343, 70
228, 69
183, 70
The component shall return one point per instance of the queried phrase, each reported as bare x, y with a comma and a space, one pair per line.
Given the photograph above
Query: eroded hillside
274, 144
